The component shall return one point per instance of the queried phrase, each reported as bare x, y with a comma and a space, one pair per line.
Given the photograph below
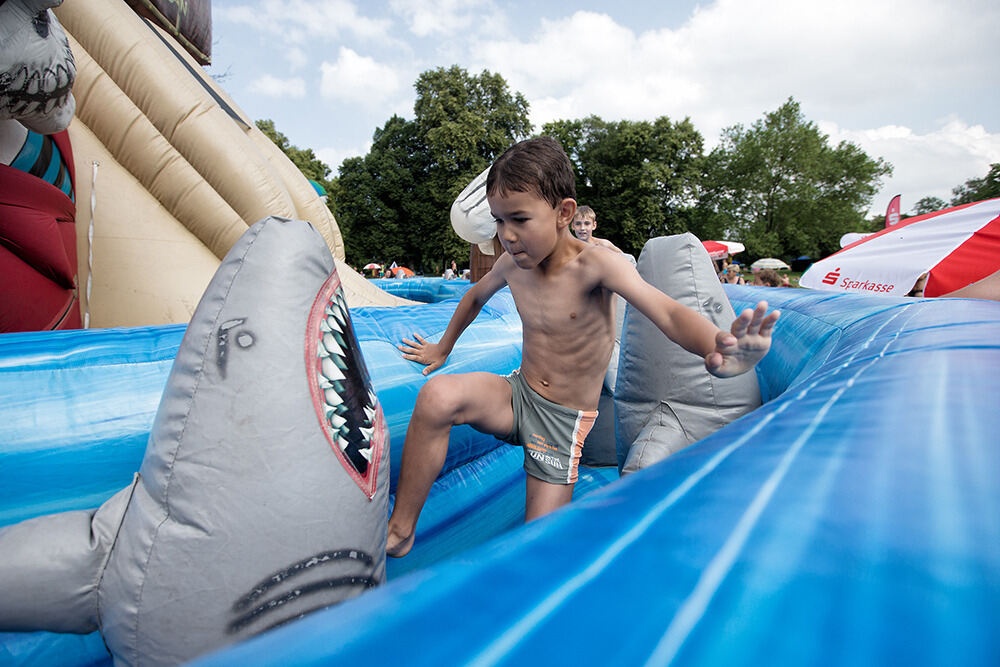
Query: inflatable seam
107, 557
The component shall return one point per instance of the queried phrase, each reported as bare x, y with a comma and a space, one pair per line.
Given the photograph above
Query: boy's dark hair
536, 165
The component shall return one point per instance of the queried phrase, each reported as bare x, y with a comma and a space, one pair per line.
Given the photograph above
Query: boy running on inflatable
564, 292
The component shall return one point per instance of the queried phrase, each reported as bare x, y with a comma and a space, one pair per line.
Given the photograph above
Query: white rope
90, 243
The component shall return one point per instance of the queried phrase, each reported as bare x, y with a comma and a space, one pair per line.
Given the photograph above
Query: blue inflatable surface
76, 409
853, 519
425, 290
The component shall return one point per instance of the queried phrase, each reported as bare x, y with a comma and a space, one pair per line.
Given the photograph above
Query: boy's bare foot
396, 546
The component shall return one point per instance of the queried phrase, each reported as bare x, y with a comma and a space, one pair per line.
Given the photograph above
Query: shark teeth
332, 398
330, 370
336, 421
337, 311
367, 453
334, 343
330, 323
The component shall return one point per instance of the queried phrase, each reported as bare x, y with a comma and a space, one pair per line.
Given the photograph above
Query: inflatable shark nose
263, 493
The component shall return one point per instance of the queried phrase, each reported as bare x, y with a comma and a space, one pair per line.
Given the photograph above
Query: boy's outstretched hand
748, 342
428, 354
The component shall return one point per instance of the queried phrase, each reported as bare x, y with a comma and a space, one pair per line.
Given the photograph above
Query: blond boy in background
584, 224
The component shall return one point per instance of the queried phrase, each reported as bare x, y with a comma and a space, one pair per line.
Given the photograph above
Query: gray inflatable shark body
664, 398
263, 493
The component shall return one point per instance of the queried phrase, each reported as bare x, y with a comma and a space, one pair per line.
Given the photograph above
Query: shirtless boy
564, 292
584, 224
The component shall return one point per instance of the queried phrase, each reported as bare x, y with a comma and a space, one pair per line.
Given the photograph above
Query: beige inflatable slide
170, 173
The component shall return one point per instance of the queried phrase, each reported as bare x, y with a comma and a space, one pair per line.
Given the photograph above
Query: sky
914, 82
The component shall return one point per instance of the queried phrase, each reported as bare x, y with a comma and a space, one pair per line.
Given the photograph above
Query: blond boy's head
584, 224
584, 212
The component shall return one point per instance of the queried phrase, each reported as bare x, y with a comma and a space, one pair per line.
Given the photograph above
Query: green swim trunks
552, 435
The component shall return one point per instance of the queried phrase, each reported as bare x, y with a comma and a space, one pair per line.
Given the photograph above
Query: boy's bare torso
568, 322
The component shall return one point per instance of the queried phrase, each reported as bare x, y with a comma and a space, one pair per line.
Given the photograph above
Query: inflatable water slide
852, 518
208, 486
170, 173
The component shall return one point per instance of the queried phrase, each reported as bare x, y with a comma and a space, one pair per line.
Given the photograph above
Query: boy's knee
438, 397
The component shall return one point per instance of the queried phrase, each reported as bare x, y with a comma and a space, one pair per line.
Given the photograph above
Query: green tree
415, 169
639, 176
977, 189
928, 205
303, 158
779, 186
374, 196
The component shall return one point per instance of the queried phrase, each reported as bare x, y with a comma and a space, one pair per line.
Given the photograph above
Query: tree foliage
396, 199
779, 186
638, 176
376, 197
928, 205
977, 189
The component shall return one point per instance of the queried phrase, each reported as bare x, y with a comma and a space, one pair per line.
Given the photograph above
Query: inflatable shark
664, 400
263, 492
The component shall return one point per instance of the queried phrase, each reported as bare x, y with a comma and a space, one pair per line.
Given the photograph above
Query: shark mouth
346, 406
25, 91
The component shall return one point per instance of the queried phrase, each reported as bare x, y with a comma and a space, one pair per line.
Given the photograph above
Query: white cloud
358, 79
881, 73
275, 87
442, 17
924, 165
332, 157
736, 59
298, 21
296, 57
864, 63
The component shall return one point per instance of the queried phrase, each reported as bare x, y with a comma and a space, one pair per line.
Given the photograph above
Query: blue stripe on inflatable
853, 519
29, 152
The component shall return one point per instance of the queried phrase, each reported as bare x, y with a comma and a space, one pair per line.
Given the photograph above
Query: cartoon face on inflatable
36, 67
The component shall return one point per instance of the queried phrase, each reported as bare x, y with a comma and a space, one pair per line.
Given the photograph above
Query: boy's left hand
749, 340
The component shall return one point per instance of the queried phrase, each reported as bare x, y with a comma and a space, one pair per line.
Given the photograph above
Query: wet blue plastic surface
853, 519
425, 290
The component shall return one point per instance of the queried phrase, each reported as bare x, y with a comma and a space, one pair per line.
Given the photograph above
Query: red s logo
831, 278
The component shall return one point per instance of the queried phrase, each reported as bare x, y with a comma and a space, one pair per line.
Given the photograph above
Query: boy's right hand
422, 352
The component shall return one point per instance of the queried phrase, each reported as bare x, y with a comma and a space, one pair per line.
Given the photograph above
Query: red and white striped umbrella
955, 247
715, 249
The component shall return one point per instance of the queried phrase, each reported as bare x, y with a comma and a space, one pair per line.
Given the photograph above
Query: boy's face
528, 226
584, 228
